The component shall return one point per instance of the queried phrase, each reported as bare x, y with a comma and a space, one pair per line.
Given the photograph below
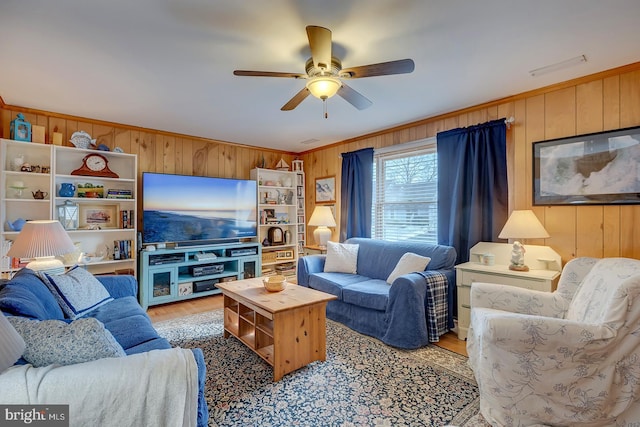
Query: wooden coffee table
287, 328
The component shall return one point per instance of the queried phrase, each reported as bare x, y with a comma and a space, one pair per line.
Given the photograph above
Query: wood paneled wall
604, 101
157, 151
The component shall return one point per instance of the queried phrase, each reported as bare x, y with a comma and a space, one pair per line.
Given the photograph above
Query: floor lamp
42, 241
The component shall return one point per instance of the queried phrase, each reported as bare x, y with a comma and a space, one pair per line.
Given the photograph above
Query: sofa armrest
203, 409
308, 265
120, 286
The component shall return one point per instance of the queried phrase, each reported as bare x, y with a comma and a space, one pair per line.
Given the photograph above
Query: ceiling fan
325, 75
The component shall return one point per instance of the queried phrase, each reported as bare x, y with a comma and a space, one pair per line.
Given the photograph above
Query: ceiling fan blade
354, 97
401, 66
296, 100
320, 44
268, 74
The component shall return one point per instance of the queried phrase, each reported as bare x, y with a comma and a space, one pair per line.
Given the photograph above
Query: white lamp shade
523, 224
11, 344
322, 218
41, 241
38, 239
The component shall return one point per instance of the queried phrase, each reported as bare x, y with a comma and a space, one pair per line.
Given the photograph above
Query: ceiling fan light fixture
323, 87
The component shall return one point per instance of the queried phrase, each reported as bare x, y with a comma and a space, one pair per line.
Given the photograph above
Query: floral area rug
363, 382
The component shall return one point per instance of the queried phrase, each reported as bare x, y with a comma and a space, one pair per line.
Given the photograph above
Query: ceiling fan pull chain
324, 108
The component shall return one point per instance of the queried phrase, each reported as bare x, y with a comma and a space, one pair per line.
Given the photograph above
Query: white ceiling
168, 64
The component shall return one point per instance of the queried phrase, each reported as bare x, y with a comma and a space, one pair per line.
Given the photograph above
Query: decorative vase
67, 189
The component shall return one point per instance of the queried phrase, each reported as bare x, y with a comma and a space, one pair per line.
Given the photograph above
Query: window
405, 192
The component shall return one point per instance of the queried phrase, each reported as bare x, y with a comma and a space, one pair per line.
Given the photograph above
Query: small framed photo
326, 189
98, 216
284, 255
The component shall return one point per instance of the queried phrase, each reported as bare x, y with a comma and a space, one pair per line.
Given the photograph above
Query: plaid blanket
436, 305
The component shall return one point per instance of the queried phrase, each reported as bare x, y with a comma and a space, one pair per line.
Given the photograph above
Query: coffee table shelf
286, 329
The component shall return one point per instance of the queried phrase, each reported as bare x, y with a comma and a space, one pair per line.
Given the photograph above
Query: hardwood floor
159, 313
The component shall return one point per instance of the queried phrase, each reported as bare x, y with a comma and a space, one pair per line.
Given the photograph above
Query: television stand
181, 273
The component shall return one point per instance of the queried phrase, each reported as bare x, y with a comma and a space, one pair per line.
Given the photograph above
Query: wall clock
95, 164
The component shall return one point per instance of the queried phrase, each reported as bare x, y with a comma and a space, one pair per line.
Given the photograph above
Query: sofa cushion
55, 341
131, 331
378, 258
341, 258
333, 283
408, 263
77, 291
27, 296
373, 293
117, 309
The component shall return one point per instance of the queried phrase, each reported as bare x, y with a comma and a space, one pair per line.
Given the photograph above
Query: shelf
266, 353
61, 161
249, 339
25, 200
84, 178
175, 266
102, 230
265, 325
183, 278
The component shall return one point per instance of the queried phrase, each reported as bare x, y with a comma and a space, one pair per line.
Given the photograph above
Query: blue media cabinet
168, 275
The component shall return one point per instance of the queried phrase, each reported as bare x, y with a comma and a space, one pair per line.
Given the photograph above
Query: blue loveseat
411, 312
27, 296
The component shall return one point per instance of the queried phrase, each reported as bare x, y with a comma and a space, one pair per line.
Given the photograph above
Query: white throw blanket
155, 388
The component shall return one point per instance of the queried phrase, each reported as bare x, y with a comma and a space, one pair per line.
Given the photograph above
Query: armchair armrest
120, 286
519, 300
308, 265
129, 390
543, 335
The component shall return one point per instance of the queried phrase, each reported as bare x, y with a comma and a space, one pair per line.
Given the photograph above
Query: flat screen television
197, 210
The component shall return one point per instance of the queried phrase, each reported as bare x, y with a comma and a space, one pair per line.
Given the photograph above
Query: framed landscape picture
597, 168
326, 189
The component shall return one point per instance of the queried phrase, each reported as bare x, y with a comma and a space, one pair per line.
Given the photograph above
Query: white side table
469, 272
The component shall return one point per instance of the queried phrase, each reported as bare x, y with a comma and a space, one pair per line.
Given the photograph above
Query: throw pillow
341, 258
408, 263
77, 291
55, 341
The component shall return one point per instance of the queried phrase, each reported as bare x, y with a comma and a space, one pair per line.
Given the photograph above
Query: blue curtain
356, 194
472, 185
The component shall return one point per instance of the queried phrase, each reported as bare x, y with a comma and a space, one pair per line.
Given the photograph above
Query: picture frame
326, 189
98, 216
591, 169
284, 255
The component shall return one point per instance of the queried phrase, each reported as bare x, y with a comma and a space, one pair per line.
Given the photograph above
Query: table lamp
42, 241
322, 218
521, 225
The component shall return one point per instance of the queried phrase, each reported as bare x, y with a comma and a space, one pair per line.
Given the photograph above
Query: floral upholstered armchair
571, 357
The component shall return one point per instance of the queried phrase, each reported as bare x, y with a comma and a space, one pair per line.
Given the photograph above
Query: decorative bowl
275, 283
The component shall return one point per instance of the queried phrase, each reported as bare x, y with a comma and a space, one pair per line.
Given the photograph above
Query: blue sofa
26, 295
398, 314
